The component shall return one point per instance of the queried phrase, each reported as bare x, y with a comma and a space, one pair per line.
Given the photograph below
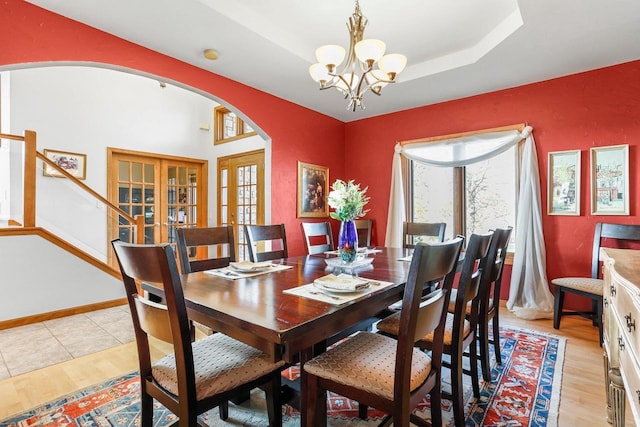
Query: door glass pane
136, 172
149, 173
123, 171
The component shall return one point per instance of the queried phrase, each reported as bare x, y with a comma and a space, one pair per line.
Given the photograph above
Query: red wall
581, 111
598, 108
29, 34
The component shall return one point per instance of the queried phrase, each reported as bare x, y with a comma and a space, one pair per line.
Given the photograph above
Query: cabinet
621, 317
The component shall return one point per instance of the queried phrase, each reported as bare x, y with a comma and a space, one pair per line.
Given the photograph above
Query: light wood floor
582, 398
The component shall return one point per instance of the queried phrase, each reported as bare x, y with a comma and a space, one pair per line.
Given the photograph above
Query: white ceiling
454, 48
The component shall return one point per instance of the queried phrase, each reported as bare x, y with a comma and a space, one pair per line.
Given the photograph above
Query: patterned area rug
524, 391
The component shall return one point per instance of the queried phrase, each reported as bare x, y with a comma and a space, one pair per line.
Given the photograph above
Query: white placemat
230, 273
312, 292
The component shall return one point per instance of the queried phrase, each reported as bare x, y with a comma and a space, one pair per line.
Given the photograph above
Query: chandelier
358, 74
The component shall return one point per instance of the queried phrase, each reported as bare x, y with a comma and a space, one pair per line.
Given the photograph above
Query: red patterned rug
524, 391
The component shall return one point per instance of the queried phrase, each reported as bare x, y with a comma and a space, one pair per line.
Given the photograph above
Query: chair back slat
259, 237
433, 231
619, 232
317, 231
153, 318
205, 241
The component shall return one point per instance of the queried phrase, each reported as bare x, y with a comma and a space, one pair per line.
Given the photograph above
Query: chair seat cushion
452, 303
584, 284
391, 324
221, 363
367, 361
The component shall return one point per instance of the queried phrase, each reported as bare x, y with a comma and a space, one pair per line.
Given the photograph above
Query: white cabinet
622, 332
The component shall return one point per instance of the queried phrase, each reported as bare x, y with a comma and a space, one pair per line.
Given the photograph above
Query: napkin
249, 266
342, 282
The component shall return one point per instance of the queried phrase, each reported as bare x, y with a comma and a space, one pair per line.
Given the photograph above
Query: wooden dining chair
205, 243
196, 376
364, 229
386, 373
592, 287
489, 300
318, 237
460, 329
413, 232
266, 242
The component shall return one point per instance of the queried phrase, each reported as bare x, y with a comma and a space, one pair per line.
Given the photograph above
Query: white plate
340, 291
250, 267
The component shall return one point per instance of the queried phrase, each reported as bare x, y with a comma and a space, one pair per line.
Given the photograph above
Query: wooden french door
241, 194
169, 191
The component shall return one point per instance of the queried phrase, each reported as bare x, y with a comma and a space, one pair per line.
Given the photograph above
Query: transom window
229, 127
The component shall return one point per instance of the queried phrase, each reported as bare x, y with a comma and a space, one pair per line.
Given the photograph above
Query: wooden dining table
256, 310
288, 327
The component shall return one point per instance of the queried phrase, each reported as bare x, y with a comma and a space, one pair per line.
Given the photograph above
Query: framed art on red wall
564, 183
312, 191
610, 180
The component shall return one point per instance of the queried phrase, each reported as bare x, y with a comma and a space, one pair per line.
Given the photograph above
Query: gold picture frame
313, 181
610, 180
563, 183
74, 163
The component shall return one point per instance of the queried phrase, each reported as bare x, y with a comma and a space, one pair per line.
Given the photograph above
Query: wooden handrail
29, 211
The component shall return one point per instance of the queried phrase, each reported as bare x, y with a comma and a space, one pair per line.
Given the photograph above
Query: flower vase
348, 241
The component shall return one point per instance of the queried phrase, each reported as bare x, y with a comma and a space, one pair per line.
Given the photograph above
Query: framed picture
610, 180
563, 183
312, 190
74, 163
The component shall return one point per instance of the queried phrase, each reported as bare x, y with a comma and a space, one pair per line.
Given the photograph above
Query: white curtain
529, 295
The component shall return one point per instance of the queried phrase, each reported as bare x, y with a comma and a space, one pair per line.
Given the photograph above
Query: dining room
580, 114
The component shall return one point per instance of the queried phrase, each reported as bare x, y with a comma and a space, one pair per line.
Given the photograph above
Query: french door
241, 194
169, 191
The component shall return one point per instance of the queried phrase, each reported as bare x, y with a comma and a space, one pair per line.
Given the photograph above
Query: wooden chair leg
316, 403
223, 411
146, 409
457, 390
362, 411
274, 408
496, 340
485, 358
436, 404
599, 310
473, 365
558, 301
594, 309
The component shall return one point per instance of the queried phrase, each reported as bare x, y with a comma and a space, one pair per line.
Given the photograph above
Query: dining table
266, 311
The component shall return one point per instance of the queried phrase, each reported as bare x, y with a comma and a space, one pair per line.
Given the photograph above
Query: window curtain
529, 295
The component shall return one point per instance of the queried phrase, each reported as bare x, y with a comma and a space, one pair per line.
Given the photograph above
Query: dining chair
592, 287
460, 330
364, 229
490, 300
386, 373
205, 243
196, 376
266, 242
318, 237
413, 232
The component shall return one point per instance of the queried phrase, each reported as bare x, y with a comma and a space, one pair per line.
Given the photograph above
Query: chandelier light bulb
330, 54
370, 50
393, 64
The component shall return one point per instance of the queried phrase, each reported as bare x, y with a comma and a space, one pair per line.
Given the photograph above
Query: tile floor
27, 348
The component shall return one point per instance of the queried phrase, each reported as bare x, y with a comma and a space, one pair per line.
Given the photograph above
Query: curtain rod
519, 127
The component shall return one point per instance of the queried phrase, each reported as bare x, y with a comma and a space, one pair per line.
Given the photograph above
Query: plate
250, 267
340, 291
345, 283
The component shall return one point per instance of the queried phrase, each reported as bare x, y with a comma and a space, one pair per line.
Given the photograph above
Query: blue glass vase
348, 241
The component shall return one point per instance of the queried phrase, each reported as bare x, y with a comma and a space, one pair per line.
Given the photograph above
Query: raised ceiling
454, 49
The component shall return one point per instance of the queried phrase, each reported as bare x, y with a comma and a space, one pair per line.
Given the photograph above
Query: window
469, 199
229, 127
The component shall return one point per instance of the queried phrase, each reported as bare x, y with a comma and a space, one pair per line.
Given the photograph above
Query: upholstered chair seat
353, 363
221, 363
584, 284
